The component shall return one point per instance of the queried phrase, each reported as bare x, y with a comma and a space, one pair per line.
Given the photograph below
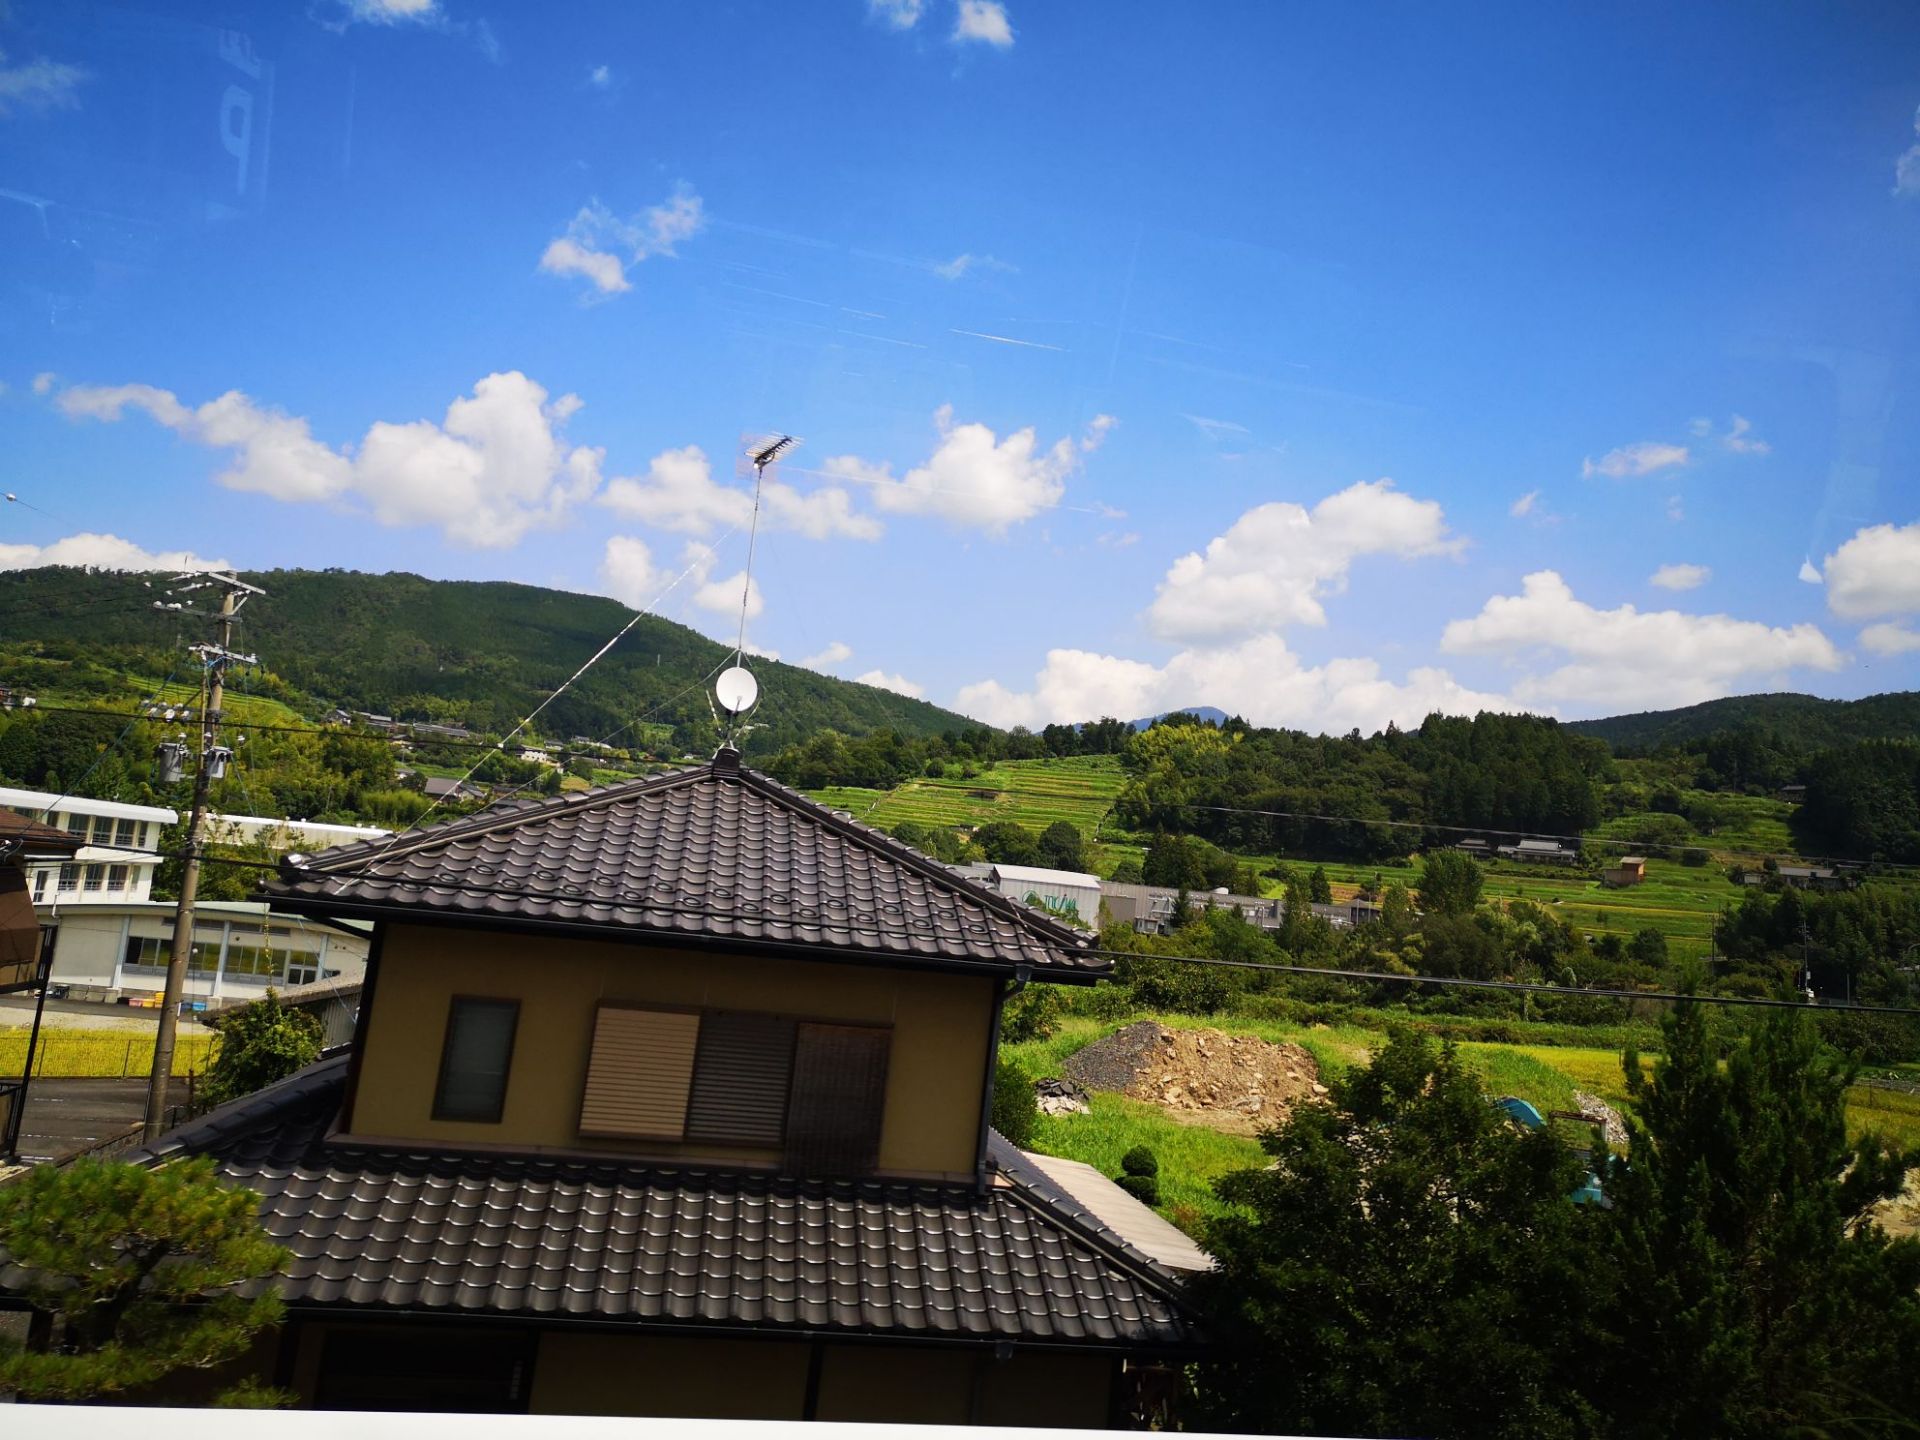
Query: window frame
454, 1002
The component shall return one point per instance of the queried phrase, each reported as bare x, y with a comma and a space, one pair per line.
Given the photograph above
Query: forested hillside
1792, 722
480, 654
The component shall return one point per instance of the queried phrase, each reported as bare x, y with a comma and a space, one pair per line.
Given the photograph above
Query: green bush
1140, 1161
1013, 1106
1033, 1014
1144, 1188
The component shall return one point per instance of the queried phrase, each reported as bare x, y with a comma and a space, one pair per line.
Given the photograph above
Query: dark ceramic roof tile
473, 1233
715, 853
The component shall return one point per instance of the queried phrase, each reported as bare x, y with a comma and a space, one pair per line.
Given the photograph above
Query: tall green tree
1062, 847
1409, 1264
259, 1044
1749, 1300
1449, 883
137, 1267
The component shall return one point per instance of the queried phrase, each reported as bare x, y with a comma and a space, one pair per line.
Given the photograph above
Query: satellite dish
736, 690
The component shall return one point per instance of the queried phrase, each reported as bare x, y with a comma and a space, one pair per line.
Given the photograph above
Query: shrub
263, 1043
1693, 855
1013, 1106
1144, 1188
1140, 1161
1033, 1014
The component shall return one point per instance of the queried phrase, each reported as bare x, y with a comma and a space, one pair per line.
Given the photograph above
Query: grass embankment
102, 1054
1193, 1157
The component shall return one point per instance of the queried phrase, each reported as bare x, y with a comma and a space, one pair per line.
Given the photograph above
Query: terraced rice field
1034, 793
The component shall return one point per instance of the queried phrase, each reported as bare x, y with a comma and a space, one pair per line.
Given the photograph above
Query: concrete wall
941, 1030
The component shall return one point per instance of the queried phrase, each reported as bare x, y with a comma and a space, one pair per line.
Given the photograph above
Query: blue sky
1329, 364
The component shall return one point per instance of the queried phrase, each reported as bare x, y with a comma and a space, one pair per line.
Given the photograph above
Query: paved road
65, 1117
17, 1011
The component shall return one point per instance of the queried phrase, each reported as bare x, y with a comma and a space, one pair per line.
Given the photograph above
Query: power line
681, 905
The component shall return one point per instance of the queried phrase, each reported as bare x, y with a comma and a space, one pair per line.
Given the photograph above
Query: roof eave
323, 908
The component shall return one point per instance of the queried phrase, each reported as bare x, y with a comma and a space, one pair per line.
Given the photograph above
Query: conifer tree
1750, 1300
137, 1268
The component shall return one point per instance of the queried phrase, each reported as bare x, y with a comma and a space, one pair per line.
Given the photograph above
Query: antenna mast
736, 689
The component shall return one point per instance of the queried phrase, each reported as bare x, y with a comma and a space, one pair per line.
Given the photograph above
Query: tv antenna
736, 690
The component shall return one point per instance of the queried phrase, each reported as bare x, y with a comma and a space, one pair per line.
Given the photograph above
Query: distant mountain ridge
481, 652
1212, 714
1804, 722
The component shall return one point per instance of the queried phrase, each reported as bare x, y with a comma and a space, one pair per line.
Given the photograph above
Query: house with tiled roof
673, 1098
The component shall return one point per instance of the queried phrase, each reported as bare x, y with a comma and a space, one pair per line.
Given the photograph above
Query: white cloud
1524, 505
569, 257
44, 382
1676, 509
493, 469
1877, 572
679, 493
630, 574
1888, 638
1259, 678
899, 684
1700, 426
722, 597
985, 21
1741, 442
965, 263
599, 245
974, 478
1275, 562
1906, 169
39, 85
1643, 458
836, 652
1680, 577
392, 12
1117, 539
102, 552
1809, 575
900, 14
1626, 659
600, 77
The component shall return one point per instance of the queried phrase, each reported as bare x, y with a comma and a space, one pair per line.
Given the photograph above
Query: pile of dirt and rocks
1236, 1083
1603, 1114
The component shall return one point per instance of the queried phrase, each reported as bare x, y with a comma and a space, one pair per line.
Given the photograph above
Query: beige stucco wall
941, 1031
716, 1379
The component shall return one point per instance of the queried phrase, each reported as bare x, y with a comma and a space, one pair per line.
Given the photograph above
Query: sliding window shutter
639, 1073
740, 1079
839, 1096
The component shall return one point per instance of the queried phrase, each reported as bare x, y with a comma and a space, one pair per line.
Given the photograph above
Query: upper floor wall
475, 1038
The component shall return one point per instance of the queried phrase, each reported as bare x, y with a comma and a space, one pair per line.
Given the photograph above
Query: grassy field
1192, 1157
102, 1053
1034, 793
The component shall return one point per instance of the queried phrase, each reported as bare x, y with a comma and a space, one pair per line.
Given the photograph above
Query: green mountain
482, 654
1795, 722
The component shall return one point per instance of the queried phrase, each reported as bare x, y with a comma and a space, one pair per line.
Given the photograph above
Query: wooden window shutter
639, 1073
839, 1097
740, 1079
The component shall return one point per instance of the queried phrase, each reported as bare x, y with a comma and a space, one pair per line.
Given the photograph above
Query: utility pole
213, 764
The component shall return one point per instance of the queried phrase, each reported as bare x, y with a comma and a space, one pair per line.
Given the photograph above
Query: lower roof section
547, 1239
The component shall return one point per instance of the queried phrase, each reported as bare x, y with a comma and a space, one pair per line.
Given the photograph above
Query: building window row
240, 952
812, 1090
86, 879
